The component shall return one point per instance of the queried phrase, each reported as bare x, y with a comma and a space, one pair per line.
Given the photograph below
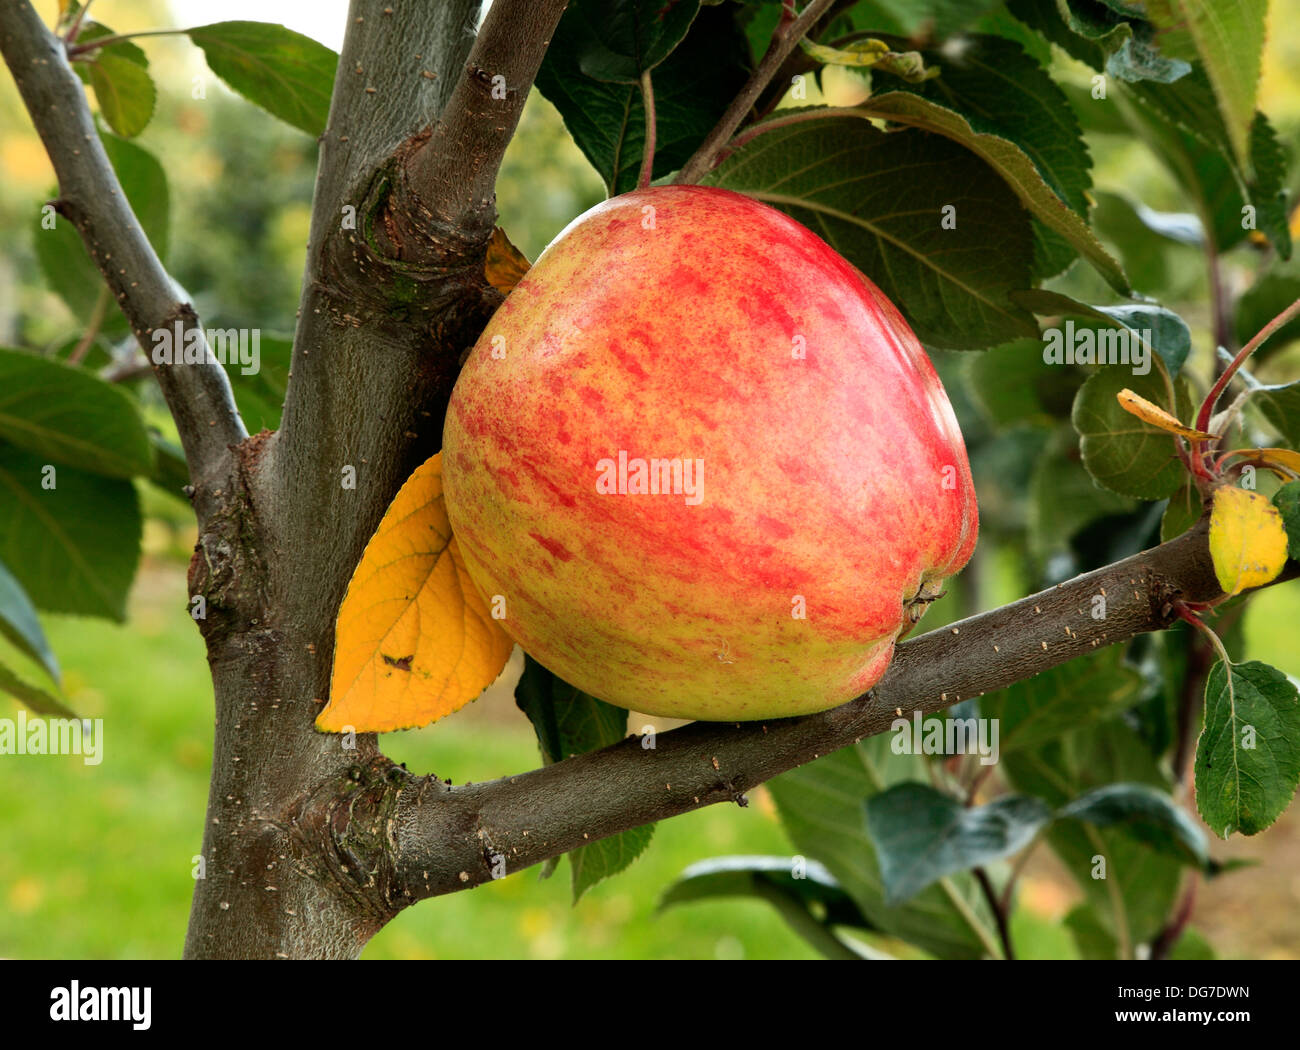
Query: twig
546, 812
1000, 916
784, 40
1173, 930
1212, 398
648, 154
91, 197
96, 321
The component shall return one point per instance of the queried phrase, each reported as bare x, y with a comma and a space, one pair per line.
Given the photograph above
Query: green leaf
1001, 91
1228, 37
145, 183
1287, 501
692, 88
37, 699
62, 255
621, 39
1248, 756
67, 415
1192, 945
1277, 289
1012, 384
570, 722
1184, 511
821, 809
1013, 165
260, 396
1090, 32
1063, 499
171, 472
1182, 124
1129, 226
921, 834
1168, 336
73, 547
1091, 935
810, 902
1061, 699
879, 200
917, 17
1280, 405
1149, 815
20, 624
1268, 189
1140, 884
289, 75
124, 90
1121, 451
606, 857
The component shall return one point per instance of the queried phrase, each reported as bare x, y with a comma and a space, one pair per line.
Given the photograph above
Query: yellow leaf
505, 264
1247, 539
1149, 412
1276, 457
414, 640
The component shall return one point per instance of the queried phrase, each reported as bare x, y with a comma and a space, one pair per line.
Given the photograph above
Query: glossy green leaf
1287, 501
124, 90
289, 75
37, 699
70, 416
570, 722
879, 199
821, 809
74, 546
20, 624
1119, 450
921, 835
1148, 814
1062, 698
1248, 755
692, 88
1022, 173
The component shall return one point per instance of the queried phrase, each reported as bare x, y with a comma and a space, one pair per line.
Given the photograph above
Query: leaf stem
648, 155
1212, 398
104, 41
990, 895
92, 328
1185, 613
785, 37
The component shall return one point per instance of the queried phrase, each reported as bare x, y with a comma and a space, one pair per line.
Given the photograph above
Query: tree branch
91, 198
447, 838
784, 40
456, 168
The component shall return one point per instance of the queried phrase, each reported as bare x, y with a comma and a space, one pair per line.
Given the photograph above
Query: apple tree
1135, 470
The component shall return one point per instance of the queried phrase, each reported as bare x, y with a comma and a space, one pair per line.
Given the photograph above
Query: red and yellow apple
705, 462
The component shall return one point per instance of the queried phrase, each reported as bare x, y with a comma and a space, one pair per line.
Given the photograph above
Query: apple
704, 462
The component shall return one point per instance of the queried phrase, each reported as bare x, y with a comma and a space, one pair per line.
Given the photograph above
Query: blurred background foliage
96, 860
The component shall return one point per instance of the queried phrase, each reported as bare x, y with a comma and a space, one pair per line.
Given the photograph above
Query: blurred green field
97, 860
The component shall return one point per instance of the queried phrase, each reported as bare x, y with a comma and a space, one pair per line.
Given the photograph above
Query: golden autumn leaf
414, 640
1247, 539
1149, 412
505, 264
1275, 458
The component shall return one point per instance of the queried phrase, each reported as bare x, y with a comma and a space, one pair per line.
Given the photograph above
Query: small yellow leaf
1247, 539
414, 640
505, 264
1276, 457
1152, 413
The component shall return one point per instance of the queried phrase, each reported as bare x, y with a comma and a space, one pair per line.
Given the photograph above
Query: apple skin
666, 323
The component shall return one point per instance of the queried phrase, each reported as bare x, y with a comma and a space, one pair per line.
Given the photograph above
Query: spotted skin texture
668, 323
